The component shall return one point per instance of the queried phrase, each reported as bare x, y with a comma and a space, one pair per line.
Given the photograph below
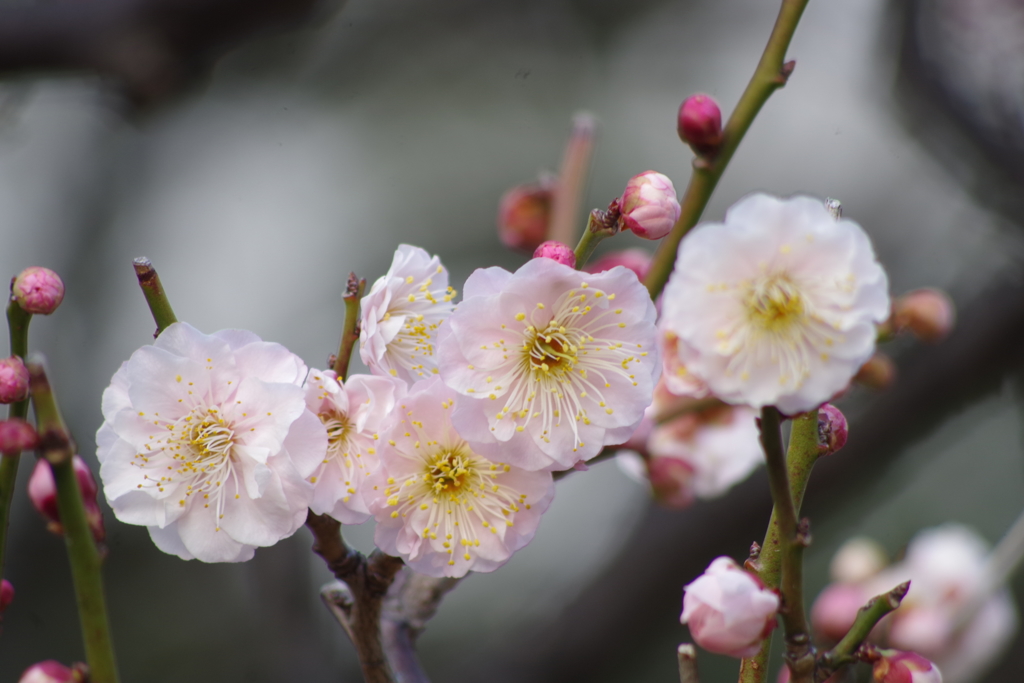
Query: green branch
771, 74
350, 329
867, 618
17, 323
802, 454
600, 225
155, 295
56, 447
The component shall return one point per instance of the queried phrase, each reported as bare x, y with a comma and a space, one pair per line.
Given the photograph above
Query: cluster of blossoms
952, 614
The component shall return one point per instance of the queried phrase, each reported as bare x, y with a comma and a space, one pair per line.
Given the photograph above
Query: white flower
439, 505
551, 364
353, 413
206, 440
401, 315
720, 445
779, 303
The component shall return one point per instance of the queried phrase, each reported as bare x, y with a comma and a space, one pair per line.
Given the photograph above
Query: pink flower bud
13, 380
42, 491
637, 260
835, 610
878, 373
38, 290
649, 206
524, 214
728, 610
671, 481
50, 671
556, 251
905, 667
832, 429
6, 595
16, 436
700, 123
927, 313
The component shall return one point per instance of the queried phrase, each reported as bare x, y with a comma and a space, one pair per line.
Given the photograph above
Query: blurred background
259, 153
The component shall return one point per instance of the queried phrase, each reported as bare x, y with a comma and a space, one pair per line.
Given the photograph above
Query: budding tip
556, 251
38, 290
833, 430
699, 124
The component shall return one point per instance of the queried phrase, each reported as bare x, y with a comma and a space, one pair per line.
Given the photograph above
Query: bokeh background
317, 143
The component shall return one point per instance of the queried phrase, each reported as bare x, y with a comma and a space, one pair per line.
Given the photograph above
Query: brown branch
152, 48
411, 602
355, 598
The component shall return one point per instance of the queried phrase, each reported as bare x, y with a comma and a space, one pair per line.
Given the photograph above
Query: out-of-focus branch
410, 603
152, 48
355, 598
687, 655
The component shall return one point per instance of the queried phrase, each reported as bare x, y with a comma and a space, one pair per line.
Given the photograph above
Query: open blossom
728, 610
353, 413
207, 441
779, 304
402, 313
441, 506
551, 364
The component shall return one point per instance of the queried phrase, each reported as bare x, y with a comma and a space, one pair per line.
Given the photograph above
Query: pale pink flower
649, 206
551, 364
905, 667
353, 413
439, 505
779, 304
728, 610
207, 441
402, 313
719, 446
676, 356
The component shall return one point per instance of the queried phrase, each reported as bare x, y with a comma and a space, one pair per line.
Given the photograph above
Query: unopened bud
878, 373
649, 206
858, 560
524, 215
700, 123
671, 481
13, 380
42, 491
729, 610
895, 666
556, 251
16, 436
928, 313
835, 610
6, 595
51, 671
832, 429
637, 260
38, 290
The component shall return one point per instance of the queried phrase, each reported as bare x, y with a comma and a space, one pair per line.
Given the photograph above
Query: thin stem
57, 449
867, 617
803, 452
600, 225
687, 655
1002, 562
572, 179
155, 295
770, 75
350, 329
17, 323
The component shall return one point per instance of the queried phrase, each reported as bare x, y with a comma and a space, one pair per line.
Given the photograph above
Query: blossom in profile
207, 441
905, 667
649, 206
440, 505
729, 610
779, 304
550, 364
353, 412
402, 313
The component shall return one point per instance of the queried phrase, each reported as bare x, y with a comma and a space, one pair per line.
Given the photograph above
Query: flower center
210, 441
774, 304
338, 429
447, 471
550, 350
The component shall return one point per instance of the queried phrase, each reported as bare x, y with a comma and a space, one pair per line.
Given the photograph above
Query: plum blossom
778, 305
649, 206
353, 413
402, 313
728, 610
207, 441
551, 364
441, 506
905, 667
